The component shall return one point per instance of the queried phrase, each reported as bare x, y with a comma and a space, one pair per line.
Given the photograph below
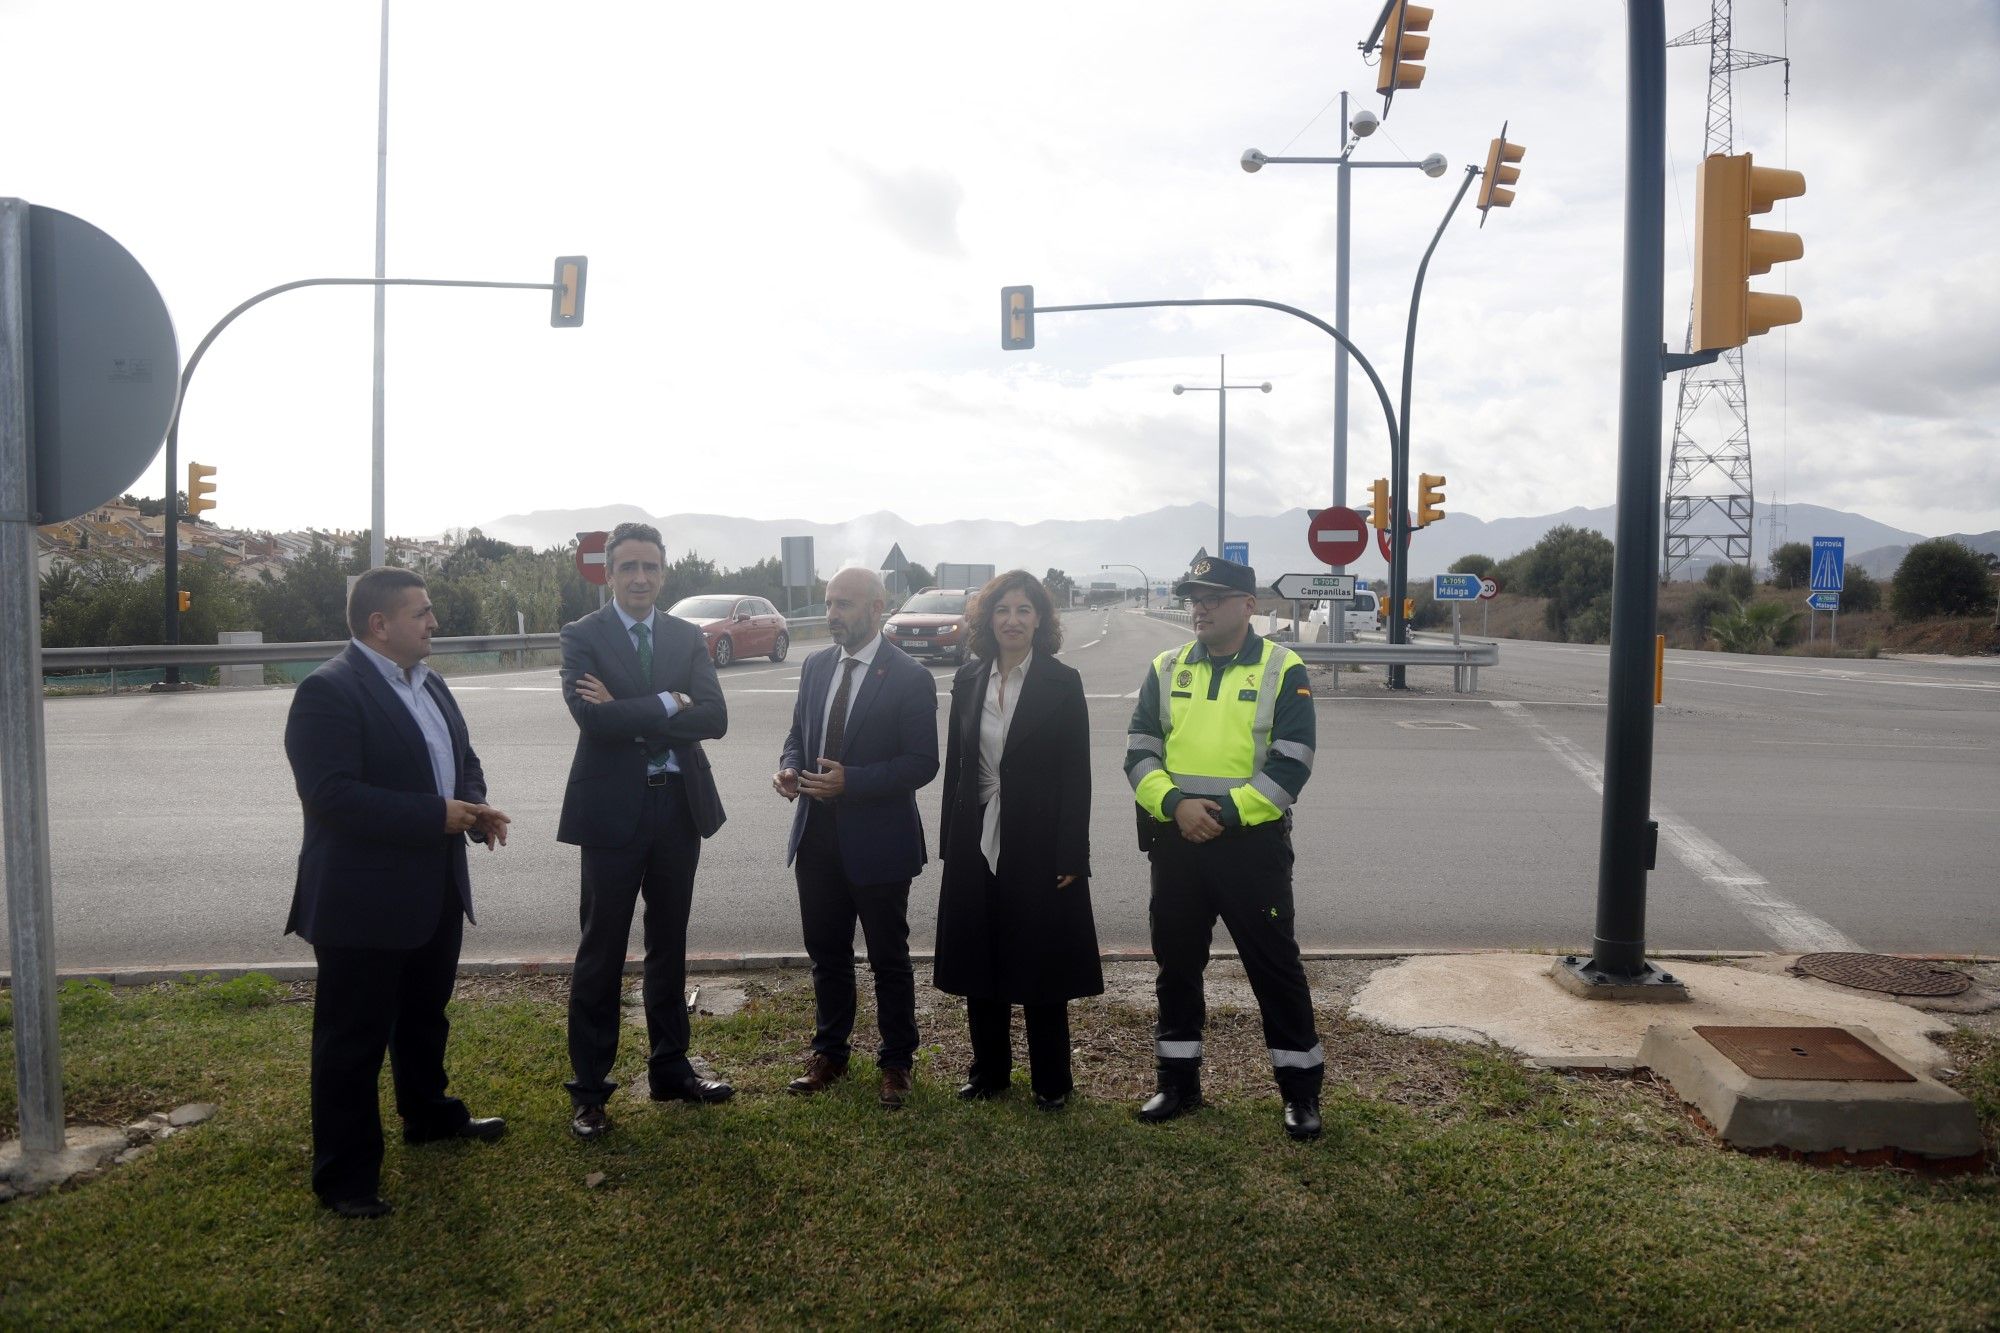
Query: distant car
932, 624
736, 626
1363, 613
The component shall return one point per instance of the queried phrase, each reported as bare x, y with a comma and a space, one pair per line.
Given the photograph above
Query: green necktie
654, 758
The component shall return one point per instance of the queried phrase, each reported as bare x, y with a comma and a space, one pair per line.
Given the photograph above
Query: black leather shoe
487, 1130
1302, 1119
982, 1092
1051, 1104
692, 1088
366, 1205
1169, 1102
590, 1122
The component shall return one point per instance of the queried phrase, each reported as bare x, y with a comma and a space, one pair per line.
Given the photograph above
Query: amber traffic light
1017, 318
1378, 504
1500, 173
1403, 47
1728, 251
199, 490
1430, 498
566, 309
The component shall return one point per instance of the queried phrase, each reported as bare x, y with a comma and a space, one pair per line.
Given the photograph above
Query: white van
1363, 613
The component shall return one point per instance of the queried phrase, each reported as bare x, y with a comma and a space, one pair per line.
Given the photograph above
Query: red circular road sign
590, 556
1337, 536
1489, 587
1409, 531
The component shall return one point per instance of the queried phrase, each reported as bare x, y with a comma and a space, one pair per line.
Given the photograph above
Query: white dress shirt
424, 711
864, 655
666, 697
996, 715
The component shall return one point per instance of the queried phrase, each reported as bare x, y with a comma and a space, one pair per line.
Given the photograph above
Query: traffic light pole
1628, 838
171, 530
1399, 502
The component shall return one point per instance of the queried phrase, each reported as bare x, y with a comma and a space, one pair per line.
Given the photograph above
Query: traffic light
1728, 250
1017, 318
186, 599
1409, 609
1499, 174
199, 489
1402, 48
1430, 498
1378, 506
566, 310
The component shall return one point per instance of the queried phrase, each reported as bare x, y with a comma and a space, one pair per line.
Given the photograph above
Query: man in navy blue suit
863, 740
391, 789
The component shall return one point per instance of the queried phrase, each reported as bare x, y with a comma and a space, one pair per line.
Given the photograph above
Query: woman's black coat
1015, 936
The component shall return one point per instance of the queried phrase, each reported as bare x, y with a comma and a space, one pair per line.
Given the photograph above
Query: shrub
1791, 565
1941, 578
1739, 583
1862, 593
1717, 572
1481, 565
1704, 606
1758, 627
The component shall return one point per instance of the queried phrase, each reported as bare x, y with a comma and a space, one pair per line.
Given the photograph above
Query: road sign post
1829, 575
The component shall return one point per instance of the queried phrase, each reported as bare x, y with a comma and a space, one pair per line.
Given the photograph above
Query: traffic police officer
1219, 748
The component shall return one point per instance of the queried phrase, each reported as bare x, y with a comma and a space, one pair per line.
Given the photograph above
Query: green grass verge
1452, 1187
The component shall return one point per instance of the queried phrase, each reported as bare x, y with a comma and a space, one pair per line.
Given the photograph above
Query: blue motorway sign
1824, 601
1829, 558
1237, 551
1455, 587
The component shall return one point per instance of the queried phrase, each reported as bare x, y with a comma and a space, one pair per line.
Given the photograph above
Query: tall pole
377, 517
24, 753
1221, 448
1628, 837
1343, 231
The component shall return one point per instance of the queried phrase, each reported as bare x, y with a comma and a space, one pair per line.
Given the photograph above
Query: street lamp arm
1141, 573
1381, 392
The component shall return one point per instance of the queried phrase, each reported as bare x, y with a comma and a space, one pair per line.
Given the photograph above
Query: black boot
1302, 1118
1179, 1093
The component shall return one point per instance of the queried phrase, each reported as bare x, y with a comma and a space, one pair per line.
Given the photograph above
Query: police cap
1214, 572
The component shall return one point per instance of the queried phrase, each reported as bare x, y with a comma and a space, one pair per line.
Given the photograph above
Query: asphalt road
1804, 804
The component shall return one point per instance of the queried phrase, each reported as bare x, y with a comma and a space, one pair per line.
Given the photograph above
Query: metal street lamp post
1142, 579
1361, 126
1221, 389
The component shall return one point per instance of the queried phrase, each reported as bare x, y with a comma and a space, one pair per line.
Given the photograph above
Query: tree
1717, 572
1059, 585
1758, 627
1941, 577
918, 577
1738, 582
1791, 565
1478, 565
1862, 593
1572, 568
308, 603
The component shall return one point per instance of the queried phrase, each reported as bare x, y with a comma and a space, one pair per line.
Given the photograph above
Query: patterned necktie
836, 722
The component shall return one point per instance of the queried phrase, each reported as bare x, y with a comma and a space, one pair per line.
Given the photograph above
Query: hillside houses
118, 529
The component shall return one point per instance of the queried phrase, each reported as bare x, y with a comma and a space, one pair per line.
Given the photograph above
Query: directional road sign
1824, 601
1236, 551
1337, 536
1489, 587
1315, 587
1455, 587
1829, 558
590, 556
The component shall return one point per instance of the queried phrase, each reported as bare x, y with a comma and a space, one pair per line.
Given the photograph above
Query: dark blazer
889, 750
607, 778
375, 857
1014, 935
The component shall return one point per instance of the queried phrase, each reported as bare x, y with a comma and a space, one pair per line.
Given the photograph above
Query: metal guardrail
1463, 659
254, 654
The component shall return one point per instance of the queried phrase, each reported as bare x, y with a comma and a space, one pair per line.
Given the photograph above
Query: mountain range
1161, 542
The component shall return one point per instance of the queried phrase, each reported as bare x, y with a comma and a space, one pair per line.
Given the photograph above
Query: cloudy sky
798, 218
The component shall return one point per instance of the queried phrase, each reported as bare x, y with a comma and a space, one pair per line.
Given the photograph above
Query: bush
1862, 593
1705, 606
1739, 583
1760, 627
1481, 565
1941, 578
1717, 572
1571, 567
1791, 565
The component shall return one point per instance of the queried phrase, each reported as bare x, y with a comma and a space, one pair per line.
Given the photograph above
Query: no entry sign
590, 556
1337, 535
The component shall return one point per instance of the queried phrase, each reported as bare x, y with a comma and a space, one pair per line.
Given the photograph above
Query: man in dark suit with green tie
644, 694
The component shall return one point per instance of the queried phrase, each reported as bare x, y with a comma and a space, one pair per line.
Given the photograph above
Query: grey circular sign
106, 366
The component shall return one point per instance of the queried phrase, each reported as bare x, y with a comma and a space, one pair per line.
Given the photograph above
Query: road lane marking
1081, 646
1882, 745
1738, 685
1785, 923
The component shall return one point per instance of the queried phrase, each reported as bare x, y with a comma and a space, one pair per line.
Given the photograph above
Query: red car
932, 624
736, 626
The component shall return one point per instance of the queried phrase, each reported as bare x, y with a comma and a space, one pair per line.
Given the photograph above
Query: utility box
239, 677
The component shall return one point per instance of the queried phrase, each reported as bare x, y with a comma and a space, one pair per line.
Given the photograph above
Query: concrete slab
1510, 1000
1812, 1115
86, 1149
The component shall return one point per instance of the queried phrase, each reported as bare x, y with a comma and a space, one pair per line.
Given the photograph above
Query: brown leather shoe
822, 1072
895, 1088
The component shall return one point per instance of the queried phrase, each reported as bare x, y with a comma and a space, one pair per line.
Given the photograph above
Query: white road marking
1738, 685
1786, 924
1081, 646
1882, 745
532, 689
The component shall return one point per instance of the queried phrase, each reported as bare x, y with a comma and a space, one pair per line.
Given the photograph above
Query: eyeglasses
1209, 601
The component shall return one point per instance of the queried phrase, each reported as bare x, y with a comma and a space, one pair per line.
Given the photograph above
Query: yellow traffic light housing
1017, 318
1403, 47
1499, 173
1728, 250
1378, 504
186, 599
199, 489
1430, 498
566, 309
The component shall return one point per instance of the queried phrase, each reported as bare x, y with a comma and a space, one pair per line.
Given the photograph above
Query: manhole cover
1880, 972
1820, 1054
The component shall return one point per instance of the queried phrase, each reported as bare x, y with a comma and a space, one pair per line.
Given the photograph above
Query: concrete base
1813, 1115
1581, 978
1509, 999
86, 1149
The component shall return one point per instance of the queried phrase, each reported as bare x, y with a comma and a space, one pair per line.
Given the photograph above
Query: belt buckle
658, 779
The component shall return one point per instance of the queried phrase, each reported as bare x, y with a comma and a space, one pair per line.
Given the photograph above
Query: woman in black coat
1014, 921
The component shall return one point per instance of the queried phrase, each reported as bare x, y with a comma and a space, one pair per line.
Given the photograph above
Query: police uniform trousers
1244, 877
